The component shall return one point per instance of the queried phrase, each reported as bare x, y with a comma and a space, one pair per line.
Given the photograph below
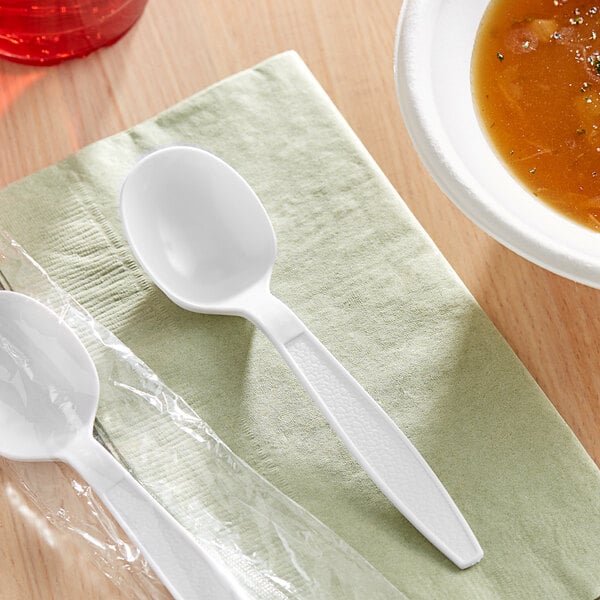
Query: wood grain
48, 113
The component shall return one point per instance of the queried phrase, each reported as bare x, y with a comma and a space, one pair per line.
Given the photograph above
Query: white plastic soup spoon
202, 235
48, 400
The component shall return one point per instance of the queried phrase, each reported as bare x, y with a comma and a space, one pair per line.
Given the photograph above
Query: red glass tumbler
45, 32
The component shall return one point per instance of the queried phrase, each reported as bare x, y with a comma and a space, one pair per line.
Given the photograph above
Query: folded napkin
357, 268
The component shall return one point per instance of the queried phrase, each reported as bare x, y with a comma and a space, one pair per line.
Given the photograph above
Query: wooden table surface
48, 113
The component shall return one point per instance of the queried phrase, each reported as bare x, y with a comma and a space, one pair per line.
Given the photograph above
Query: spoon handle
377, 444
186, 570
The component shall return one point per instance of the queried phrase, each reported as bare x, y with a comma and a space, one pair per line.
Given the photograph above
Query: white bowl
434, 42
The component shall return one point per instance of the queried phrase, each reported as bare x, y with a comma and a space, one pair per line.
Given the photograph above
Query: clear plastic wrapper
271, 546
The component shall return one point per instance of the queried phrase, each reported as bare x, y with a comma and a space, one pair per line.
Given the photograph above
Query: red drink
44, 32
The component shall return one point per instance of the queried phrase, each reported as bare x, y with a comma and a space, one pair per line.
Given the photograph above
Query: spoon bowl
210, 242
39, 355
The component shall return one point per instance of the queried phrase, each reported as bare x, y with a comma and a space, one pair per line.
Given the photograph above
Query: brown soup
536, 83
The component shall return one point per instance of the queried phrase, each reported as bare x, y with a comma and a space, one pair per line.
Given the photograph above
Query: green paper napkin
355, 265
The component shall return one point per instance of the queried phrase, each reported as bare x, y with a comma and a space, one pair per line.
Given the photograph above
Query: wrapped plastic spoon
48, 400
202, 235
